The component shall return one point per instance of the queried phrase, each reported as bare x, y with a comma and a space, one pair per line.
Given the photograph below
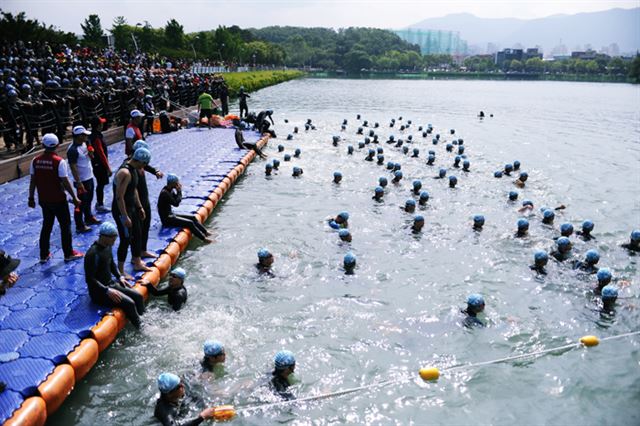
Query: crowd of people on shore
48, 88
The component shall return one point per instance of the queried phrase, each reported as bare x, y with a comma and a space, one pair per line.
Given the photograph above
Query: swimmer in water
563, 249
424, 197
441, 174
280, 148
453, 181
516, 166
349, 263
418, 223
416, 153
378, 193
283, 374
297, 153
336, 139
370, 155
175, 290
513, 196
540, 260
456, 161
287, 157
337, 177
478, 222
449, 147
634, 241
172, 406
409, 206
431, 159
604, 277
566, 230
345, 235
275, 163
609, 295
521, 180
523, 228
340, 221
297, 172
548, 216
289, 137
475, 305
585, 232
508, 168
465, 166
380, 159
265, 260
497, 174
382, 181
397, 177
214, 357
588, 265
350, 150
417, 185
268, 168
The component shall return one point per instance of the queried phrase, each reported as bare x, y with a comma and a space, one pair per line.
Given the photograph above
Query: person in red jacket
49, 175
100, 162
133, 132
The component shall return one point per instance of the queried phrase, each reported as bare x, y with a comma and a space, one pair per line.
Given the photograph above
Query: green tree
18, 27
357, 59
174, 34
92, 32
592, 67
634, 69
121, 33
535, 65
515, 65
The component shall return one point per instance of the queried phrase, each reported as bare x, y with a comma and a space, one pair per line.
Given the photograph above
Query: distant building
434, 42
589, 55
516, 54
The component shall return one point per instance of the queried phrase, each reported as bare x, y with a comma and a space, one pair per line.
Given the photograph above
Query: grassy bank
481, 76
256, 80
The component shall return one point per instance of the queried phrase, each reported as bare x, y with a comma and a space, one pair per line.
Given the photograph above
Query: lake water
580, 144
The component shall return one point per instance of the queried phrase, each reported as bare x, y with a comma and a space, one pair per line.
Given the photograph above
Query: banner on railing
208, 70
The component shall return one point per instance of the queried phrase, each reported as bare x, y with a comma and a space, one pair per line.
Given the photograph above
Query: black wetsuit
243, 104
168, 198
168, 414
471, 321
100, 270
128, 236
279, 385
243, 144
143, 194
585, 267
560, 257
177, 296
585, 236
630, 247
538, 269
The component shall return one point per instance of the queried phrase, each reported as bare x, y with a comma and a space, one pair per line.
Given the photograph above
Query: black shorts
205, 113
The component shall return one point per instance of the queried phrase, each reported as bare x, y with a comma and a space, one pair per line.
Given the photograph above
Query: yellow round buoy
224, 412
431, 373
589, 340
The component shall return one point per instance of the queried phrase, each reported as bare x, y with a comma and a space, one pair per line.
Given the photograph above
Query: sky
198, 15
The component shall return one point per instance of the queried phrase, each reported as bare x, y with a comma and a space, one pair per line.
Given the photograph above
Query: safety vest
45, 173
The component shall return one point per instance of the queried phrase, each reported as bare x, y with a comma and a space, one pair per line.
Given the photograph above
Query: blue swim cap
397, 166
372, 152
592, 256
108, 229
540, 256
432, 157
566, 228
434, 141
418, 218
337, 174
379, 190
349, 259
172, 178
548, 214
344, 215
442, 173
276, 162
508, 167
513, 195
268, 166
398, 174
457, 159
297, 151
297, 170
416, 151
179, 273
460, 149
284, 359
343, 232
263, 253
142, 155
417, 184
350, 148
563, 242
424, 195
410, 202
635, 235
287, 157
390, 165
475, 300
523, 223
140, 144
524, 176
516, 164
168, 382
497, 174
453, 180
587, 225
382, 180
527, 203
604, 274
380, 158
478, 219
609, 292
379, 150
466, 164
212, 348
449, 147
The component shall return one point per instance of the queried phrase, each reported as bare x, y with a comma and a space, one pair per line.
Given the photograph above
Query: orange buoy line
59, 384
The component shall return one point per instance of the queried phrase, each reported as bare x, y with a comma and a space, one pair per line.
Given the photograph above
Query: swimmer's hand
207, 413
114, 295
561, 207
159, 174
624, 283
124, 282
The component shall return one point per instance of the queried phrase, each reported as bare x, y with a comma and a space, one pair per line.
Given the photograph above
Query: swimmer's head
382, 181
380, 158
284, 360
280, 148
276, 163
417, 185
397, 175
337, 176
397, 166
212, 349
523, 224
349, 261
516, 165
172, 179
456, 160
587, 226
497, 174
523, 177
592, 257
178, 273
297, 152
564, 244
378, 192
453, 181
405, 149
390, 165
547, 216
508, 168
540, 258
287, 157
449, 147
609, 293
442, 173
418, 222
513, 195
345, 235
431, 159
526, 203
416, 152
342, 217
478, 221
350, 149
410, 205
268, 167
297, 171
566, 229
379, 150
140, 144
460, 149
168, 382
465, 165
424, 196
604, 276
265, 258
475, 303
635, 236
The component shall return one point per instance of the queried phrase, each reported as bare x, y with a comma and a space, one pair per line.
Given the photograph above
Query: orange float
152, 276
182, 238
32, 412
120, 316
58, 385
163, 263
83, 357
219, 191
224, 185
105, 331
209, 205
173, 250
143, 290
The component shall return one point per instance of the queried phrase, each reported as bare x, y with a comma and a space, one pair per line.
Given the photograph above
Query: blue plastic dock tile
12, 340
51, 346
24, 375
16, 295
27, 319
10, 401
58, 301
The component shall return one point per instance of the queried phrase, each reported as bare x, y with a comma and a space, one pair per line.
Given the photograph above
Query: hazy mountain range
599, 29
